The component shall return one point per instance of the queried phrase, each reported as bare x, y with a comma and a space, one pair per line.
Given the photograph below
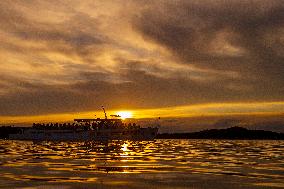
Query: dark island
6, 130
232, 133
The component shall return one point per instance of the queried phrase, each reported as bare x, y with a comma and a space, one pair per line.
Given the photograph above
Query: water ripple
160, 163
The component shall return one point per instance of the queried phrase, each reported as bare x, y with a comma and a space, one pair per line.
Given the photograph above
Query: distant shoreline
232, 133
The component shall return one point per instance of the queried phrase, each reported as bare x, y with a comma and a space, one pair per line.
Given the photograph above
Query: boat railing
84, 126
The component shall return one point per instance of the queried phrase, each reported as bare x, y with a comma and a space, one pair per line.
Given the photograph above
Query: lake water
142, 164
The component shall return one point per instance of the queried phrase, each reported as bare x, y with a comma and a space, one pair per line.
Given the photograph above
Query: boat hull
84, 135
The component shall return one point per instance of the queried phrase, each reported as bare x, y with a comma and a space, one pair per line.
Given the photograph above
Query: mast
104, 112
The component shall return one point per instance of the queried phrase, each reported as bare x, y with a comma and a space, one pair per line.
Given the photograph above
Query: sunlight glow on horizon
125, 114
213, 109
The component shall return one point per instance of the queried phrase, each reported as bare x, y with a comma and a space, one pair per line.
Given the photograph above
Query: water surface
142, 164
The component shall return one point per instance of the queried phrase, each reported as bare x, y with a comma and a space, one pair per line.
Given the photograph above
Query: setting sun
125, 114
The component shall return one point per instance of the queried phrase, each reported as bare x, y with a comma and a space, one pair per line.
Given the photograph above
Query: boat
87, 129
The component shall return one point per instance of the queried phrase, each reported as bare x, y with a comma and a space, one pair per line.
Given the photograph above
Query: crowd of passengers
84, 126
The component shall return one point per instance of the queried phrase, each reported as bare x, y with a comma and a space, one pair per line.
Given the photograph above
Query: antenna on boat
104, 112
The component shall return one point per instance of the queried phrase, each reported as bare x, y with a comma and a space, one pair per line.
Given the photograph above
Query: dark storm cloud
70, 57
190, 30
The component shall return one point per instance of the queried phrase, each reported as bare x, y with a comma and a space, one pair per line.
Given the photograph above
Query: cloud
245, 37
75, 56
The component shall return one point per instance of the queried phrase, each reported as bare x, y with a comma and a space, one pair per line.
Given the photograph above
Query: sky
162, 58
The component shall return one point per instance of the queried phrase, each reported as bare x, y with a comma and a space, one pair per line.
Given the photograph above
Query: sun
124, 114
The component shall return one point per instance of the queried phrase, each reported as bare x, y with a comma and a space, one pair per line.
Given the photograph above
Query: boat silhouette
87, 129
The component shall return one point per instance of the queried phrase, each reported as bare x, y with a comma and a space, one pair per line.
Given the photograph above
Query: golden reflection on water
178, 163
